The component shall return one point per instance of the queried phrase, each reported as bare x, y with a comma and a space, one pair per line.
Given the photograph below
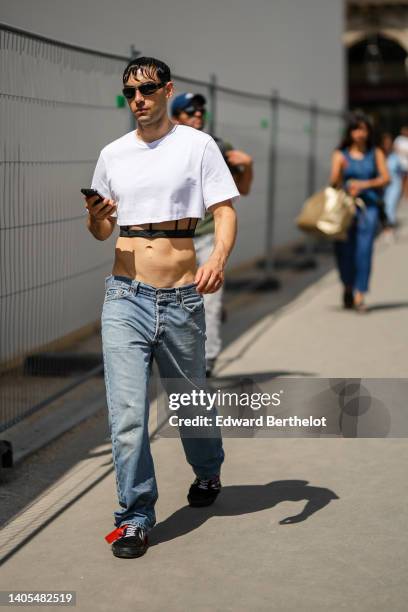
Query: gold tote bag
329, 213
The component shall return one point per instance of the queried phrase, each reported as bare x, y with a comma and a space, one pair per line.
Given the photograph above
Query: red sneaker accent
115, 534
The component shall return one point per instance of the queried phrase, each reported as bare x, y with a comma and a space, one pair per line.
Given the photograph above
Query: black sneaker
129, 541
204, 492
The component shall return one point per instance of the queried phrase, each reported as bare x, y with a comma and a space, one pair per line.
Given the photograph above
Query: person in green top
190, 109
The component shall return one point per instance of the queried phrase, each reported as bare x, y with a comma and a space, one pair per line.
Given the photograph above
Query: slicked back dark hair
150, 67
353, 121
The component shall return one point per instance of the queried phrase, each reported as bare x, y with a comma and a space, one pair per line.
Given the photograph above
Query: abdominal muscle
160, 262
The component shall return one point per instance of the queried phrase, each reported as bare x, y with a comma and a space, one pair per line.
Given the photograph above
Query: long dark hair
353, 121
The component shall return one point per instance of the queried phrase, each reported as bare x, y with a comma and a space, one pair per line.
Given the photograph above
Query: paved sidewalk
350, 552
316, 335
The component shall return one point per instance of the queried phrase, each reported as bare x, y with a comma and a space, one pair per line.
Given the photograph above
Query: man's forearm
225, 223
100, 229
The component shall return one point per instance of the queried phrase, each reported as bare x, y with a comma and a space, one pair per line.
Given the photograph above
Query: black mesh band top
188, 232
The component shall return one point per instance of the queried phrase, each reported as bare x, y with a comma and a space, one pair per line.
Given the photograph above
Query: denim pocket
114, 293
192, 302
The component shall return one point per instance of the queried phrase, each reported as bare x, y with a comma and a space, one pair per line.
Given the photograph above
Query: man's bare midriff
160, 262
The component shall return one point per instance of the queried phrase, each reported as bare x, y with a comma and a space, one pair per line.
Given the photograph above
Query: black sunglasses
147, 89
191, 110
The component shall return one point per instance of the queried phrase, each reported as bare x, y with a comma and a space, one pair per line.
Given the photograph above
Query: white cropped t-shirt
180, 175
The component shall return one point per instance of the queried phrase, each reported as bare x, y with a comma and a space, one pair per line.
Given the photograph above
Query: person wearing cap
190, 109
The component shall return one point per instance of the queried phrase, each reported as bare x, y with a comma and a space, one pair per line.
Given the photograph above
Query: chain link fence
59, 105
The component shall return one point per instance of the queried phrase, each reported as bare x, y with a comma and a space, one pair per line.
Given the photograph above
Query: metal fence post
212, 124
269, 282
311, 175
311, 242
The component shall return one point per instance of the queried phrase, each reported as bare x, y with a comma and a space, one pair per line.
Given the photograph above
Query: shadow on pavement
254, 377
373, 307
245, 499
387, 306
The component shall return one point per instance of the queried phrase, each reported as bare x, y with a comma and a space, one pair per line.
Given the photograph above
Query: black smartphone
88, 193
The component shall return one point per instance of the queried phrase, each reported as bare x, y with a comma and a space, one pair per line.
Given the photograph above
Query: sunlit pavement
349, 548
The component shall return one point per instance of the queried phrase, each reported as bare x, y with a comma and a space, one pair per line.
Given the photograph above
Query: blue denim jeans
354, 255
141, 322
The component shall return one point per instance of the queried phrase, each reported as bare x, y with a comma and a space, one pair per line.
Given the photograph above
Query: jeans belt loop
136, 286
178, 296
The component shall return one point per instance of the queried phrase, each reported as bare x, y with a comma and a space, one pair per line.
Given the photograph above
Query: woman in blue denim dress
360, 168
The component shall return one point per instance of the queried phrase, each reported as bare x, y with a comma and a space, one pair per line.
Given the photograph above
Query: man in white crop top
155, 183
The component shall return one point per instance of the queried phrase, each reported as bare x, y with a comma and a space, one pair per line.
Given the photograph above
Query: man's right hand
100, 211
